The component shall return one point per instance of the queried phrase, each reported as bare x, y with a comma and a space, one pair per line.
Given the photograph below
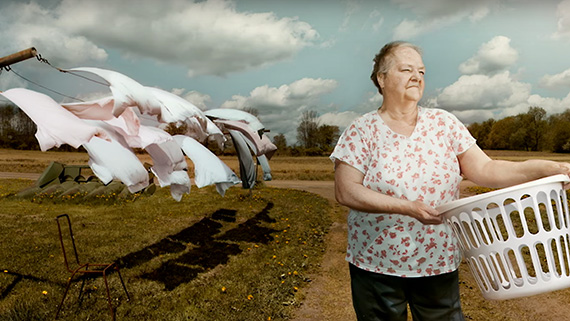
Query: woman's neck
407, 114
400, 120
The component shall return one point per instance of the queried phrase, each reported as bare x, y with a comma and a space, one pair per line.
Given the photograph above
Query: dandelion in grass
250, 297
44, 292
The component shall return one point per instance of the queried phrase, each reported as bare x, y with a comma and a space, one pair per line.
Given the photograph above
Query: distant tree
307, 130
327, 136
480, 131
558, 133
280, 142
500, 135
16, 129
535, 123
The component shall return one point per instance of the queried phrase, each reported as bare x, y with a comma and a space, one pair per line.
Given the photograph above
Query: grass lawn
245, 256
239, 257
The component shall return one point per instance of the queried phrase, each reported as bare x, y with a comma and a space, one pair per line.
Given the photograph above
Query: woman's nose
416, 76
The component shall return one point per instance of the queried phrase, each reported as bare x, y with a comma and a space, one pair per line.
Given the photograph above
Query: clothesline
41, 59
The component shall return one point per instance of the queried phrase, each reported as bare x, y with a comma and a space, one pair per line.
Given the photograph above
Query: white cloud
474, 116
199, 99
476, 98
342, 119
555, 81
281, 107
483, 92
407, 29
443, 8
563, 14
29, 25
208, 37
493, 57
437, 14
549, 104
352, 6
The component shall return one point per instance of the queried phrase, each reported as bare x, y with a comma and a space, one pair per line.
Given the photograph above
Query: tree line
313, 139
529, 131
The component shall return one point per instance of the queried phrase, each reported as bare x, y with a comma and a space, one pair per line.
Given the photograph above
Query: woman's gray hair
383, 60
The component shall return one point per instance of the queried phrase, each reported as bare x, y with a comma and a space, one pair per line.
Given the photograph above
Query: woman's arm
350, 192
482, 170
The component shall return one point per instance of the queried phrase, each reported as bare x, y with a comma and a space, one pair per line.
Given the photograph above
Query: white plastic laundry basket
516, 240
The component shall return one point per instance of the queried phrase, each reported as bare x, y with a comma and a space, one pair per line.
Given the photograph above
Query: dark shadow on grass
200, 249
18, 277
208, 251
199, 233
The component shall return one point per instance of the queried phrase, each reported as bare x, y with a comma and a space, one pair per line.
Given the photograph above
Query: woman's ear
380, 78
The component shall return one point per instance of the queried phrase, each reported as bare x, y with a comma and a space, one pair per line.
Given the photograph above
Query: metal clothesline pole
17, 57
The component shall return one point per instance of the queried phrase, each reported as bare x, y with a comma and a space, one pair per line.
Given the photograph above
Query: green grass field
245, 256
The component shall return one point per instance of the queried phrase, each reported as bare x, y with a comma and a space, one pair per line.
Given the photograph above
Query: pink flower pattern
422, 167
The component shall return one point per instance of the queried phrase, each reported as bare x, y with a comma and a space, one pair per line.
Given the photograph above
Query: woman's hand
564, 168
424, 213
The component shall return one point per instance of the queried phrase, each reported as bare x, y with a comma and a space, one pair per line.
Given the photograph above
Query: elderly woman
393, 166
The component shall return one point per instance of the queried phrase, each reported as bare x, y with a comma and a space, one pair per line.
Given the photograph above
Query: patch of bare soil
328, 297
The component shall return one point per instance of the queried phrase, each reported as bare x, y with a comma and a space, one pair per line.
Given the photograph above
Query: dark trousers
384, 297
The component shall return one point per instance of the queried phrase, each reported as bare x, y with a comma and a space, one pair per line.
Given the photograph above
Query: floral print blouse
423, 167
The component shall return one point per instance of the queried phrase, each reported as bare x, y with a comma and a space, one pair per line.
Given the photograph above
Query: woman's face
404, 81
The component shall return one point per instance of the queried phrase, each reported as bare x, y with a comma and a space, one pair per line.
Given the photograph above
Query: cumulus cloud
434, 15
483, 92
340, 119
24, 25
563, 14
556, 81
494, 56
199, 99
476, 98
474, 116
208, 37
280, 108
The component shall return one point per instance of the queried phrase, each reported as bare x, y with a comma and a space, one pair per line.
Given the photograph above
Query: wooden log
17, 57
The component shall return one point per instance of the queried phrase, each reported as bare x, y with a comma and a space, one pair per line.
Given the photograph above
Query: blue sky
484, 59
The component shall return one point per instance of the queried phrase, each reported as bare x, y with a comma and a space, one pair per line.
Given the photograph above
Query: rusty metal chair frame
86, 269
